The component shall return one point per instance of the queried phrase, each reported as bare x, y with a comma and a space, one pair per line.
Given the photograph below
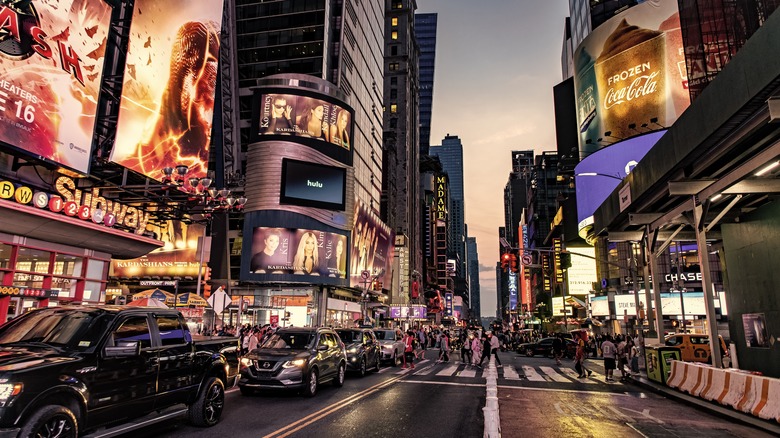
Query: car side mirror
322, 348
126, 349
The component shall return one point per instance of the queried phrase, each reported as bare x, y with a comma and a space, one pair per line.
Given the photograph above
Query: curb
490, 411
705, 405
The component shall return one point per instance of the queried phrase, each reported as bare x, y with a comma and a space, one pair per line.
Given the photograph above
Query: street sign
365, 274
527, 259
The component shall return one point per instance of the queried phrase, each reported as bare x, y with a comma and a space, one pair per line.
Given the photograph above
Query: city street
536, 398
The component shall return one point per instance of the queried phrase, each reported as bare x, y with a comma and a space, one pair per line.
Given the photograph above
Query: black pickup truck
65, 371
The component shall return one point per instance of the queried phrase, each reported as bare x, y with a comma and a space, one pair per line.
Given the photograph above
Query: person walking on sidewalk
579, 359
476, 350
409, 341
495, 344
608, 351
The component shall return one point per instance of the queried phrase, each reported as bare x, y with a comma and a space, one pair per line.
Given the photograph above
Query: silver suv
295, 358
392, 344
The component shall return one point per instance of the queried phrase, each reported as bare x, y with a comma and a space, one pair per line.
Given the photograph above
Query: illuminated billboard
316, 120
373, 245
51, 65
582, 273
167, 105
177, 258
313, 185
296, 252
630, 75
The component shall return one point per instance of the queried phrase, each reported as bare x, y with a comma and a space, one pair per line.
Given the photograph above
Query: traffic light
513, 263
505, 261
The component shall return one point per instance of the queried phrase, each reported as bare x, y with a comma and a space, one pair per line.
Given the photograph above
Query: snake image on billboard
51, 66
167, 105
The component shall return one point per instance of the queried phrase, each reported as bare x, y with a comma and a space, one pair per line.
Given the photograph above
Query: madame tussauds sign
73, 202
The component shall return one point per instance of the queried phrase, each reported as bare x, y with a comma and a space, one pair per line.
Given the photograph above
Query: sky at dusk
496, 64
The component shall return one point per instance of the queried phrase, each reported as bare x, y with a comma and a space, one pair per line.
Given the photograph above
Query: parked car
297, 358
75, 369
696, 347
363, 349
544, 347
391, 342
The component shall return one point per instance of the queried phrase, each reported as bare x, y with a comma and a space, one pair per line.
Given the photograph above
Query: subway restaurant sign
73, 202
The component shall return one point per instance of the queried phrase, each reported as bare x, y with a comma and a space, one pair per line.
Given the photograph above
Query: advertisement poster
414, 311
51, 65
307, 117
630, 71
167, 105
177, 258
373, 245
754, 325
298, 252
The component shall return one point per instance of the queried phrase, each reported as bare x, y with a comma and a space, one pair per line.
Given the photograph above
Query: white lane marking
510, 373
532, 375
570, 372
552, 374
481, 385
468, 373
573, 391
425, 371
450, 370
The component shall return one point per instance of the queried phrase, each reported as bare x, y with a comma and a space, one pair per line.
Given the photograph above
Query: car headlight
8, 390
245, 362
294, 363
352, 350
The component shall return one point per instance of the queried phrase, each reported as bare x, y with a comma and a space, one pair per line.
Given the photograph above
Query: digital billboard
178, 257
630, 75
313, 119
51, 66
373, 245
313, 185
167, 104
298, 252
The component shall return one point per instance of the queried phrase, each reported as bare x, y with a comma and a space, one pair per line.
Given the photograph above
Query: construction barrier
745, 392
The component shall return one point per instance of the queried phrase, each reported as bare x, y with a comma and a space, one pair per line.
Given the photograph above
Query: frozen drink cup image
631, 77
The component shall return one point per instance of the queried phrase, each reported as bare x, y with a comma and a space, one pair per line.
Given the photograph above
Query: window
394, 66
398, 5
393, 94
394, 21
393, 123
394, 80
171, 332
132, 330
393, 108
394, 50
394, 35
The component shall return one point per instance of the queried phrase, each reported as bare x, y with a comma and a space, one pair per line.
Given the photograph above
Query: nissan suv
392, 344
295, 358
363, 350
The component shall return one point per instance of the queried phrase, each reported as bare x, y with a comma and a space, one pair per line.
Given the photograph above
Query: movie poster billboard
177, 258
167, 104
316, 120
630, 75
373, 245
292, 251
51, 66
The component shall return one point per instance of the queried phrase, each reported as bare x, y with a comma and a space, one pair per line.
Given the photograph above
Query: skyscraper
450, 152
472, 258
425, 30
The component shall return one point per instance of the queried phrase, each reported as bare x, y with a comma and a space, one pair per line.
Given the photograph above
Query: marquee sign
15, 291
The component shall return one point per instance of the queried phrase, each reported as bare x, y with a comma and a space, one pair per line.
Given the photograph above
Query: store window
66, 287
95, 268
67, 265
22, 279
5, 255
93, 292
33, 260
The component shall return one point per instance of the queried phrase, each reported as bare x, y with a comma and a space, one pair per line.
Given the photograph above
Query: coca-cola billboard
630, 76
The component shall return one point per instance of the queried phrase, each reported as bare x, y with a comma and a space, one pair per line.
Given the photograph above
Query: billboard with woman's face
373, 243
276, 252
51, 66
313, 119
630, 76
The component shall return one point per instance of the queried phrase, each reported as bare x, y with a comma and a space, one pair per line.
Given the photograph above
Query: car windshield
350, 336
80, 329
385, 335
289, 340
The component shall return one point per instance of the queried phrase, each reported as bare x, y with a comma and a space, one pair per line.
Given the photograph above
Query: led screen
298, 252
313, 119
178, 256
313, 185
51, 65
373, 243
170, 79
630, 75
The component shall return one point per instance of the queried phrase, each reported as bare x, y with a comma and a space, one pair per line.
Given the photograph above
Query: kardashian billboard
630, 75
373, 245
167, 104
51, 65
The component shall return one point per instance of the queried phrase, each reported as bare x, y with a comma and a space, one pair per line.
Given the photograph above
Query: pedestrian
409, 341
485, 348
622, 357
579, 359
557, 346
608, 351
495, 344
476, 349
444, 347
465, 348
634, 357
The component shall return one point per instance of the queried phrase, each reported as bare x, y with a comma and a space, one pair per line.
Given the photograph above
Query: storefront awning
36, 223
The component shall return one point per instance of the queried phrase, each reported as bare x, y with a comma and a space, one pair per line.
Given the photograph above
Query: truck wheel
339, 380
313, 384
207, 409
50, 422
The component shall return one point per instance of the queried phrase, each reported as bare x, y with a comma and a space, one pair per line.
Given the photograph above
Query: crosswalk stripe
510, 373
569, 372
531, 374
424, 371
551, 373
468, 373
450, 370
